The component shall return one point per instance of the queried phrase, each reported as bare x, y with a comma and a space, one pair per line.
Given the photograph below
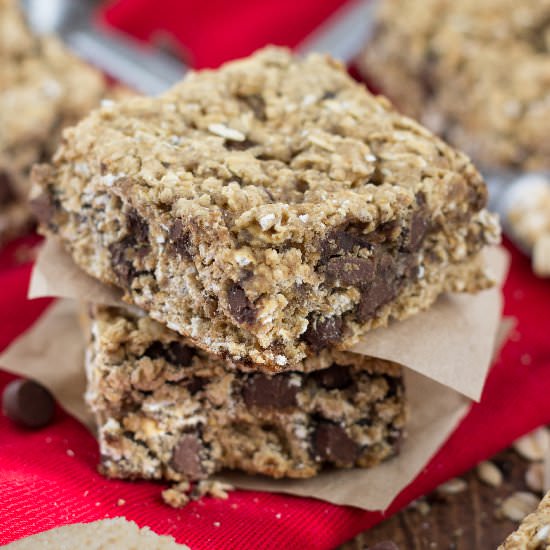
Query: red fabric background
42, 486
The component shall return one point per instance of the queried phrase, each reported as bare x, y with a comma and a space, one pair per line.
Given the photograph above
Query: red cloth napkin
48, 478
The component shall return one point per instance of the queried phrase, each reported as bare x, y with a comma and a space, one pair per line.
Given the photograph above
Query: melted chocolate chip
137, 227
275, 392
232, 145
186, 456
121, 265
7, 192
322, 333
239, 304
340, 242
28, 403
196, 384
416, 231
336, 377
333, 444
176, 353
179, 354
383, 289
180, 239
350, 271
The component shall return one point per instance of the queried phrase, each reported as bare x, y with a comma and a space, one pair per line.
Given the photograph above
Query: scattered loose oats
452, 487
534, 477
216, 489
70, 452
176, 496
519, 505
535, 445
489, 473
120, 502
421, 506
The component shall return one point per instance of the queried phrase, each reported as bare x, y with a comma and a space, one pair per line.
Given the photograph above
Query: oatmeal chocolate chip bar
42, 89
534, 531
268, 210
168, 410
475, 72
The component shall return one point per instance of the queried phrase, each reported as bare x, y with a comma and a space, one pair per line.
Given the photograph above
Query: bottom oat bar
534, 531
166, 410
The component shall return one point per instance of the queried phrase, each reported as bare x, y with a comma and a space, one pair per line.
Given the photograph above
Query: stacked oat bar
264, 217
43, 88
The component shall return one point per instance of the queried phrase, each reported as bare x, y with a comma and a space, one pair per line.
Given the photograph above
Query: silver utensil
140, 67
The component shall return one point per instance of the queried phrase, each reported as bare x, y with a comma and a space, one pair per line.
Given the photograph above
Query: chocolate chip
175, 352
137, 227
340, 242
179, 354
275, 391
232, 145
121, 265
336, 377
195, 384
180, 239
395, 385
239, 304
321, 333
186, 456
333, 444
28, 403
416, 232
43, 208
7, 192
383, 289
384, 545
350, 271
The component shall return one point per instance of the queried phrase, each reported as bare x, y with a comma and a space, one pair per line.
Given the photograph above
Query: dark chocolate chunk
28, 403
350, 271
275, 391
336, 377
179, 354
384, 545
395, 385
137, 227
239, 304
7, 192
340, 242
233, 145
333, 444
43, 208
321, 333
383, 289
121, 265
180, 239
186, 456
196, 384
416, 231
175, 352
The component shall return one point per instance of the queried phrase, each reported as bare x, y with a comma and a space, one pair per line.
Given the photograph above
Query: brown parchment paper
450, 343
52, 352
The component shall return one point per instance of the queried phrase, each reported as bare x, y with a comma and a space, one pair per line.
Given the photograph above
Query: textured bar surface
43, 88
166, 410
475, 72
268, 210
534, 531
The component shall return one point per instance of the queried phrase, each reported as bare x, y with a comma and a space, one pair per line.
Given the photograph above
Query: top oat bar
43, 88
269, 209
477, 72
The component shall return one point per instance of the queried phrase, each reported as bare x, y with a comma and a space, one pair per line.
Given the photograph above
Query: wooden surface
463, 521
